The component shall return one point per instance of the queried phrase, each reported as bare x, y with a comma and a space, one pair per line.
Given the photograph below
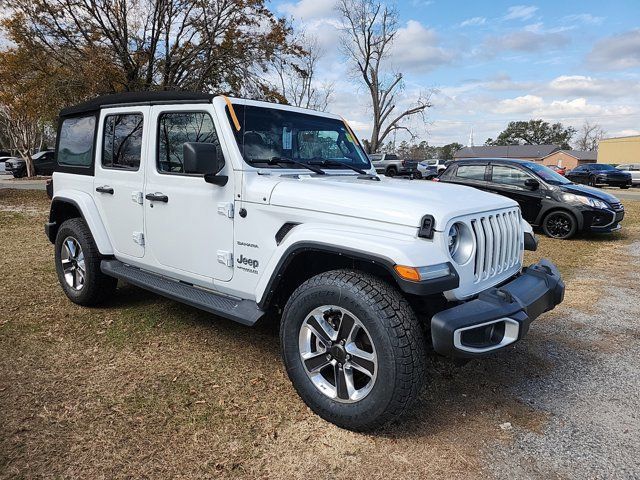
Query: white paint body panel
185, 237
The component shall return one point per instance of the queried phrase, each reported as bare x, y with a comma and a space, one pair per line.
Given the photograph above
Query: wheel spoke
316, 361
71, 248
361, 360
342, 382
346, 327
321, 328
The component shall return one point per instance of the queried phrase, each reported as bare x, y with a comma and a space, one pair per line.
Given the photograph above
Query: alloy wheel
559, 226
338, 354
73, 265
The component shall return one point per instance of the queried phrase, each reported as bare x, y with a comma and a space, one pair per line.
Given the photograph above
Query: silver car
633, 169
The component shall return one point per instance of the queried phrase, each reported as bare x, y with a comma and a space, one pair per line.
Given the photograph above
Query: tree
534, 132
369, 28
447, 151
115, 45
297, 77
589, 136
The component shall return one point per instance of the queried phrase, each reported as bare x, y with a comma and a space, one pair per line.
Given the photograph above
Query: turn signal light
408, 273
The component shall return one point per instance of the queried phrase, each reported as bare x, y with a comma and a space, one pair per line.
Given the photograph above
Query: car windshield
276, 138
602, 166
546, 174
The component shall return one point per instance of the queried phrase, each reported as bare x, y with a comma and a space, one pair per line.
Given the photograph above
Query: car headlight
460, 242
591, 202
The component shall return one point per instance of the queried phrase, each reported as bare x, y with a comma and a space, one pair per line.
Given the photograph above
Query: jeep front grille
499, 243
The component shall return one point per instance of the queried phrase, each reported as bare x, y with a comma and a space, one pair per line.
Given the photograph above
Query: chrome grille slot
498, 238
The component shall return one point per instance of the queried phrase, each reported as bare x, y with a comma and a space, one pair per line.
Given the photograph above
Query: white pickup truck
244, 208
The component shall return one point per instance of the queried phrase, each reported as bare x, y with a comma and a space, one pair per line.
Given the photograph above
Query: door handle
157, 197
105, 189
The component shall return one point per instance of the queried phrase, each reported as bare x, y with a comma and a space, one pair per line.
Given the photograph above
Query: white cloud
581, 85
417, 48
520, 12
584, 18
472, 22
523, 104
618, 52
308, 9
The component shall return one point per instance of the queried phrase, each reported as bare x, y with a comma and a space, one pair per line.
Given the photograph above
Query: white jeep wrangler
241, 208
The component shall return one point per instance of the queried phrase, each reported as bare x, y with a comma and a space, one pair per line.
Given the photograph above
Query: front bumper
499, 316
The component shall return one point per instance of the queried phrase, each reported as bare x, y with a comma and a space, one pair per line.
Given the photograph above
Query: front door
189, 222
510, 182
119, 176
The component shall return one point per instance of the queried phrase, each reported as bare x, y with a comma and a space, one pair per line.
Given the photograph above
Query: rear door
471, 174
509, 180
119, 176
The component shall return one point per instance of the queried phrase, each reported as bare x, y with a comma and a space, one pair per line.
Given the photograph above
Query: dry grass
145, 387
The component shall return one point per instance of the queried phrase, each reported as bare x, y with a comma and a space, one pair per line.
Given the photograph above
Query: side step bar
246, 312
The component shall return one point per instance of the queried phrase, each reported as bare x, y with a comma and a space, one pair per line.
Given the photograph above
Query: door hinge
225, 208
138, 237
225, 258
137, 197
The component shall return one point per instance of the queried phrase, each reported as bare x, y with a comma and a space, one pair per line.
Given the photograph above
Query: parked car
351, 262
391, 165
427, 171
43, 164
3, 168
633, 169
558, 169
547, 199
595, 174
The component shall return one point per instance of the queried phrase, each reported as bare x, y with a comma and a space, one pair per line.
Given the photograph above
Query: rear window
75, 146
122, 142
471, 172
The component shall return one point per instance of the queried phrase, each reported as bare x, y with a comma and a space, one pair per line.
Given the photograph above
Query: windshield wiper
336, 163
290, 161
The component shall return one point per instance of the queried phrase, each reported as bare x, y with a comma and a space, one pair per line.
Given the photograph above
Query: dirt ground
146, 387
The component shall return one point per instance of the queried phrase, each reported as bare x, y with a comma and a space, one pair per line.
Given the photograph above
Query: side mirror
204, 159
532, 184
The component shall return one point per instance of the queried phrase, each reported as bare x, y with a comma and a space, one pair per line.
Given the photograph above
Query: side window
75, 146
122, 141
471, 172
177, 128
506, 175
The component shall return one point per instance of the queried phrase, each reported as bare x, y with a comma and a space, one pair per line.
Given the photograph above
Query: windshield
602, 166
270, 134
546, 174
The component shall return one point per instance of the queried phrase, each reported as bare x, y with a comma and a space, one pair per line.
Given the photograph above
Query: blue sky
493, 62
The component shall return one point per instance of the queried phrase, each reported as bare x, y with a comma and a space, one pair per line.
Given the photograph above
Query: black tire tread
402, 326
98, 286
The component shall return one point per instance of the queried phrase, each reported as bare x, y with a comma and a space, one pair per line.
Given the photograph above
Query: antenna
470, 144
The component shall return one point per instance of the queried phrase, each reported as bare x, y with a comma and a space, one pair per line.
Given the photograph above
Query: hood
398, 201
589, 192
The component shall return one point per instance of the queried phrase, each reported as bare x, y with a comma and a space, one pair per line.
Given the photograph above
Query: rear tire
78, 265
560, 224
390, 336
391, 172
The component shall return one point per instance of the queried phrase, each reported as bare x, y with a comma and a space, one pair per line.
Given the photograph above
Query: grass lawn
146, 387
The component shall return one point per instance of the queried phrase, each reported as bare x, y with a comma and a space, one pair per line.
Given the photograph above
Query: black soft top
135, 98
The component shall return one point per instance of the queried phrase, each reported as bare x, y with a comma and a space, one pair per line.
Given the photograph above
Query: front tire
353, 349
78, 265
391, 172
560, 224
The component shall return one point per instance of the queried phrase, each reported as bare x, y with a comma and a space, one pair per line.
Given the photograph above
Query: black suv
600, 174
546, 198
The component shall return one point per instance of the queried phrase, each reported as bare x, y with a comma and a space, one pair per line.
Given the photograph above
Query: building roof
580, 154
507, 151
136, 98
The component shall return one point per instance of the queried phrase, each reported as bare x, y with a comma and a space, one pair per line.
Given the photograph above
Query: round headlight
460, 242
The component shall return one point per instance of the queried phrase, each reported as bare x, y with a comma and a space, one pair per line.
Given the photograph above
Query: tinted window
506, 175
122, 141
547, 174
391, 156
75, 147
175, 129
601, 166
471, 172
